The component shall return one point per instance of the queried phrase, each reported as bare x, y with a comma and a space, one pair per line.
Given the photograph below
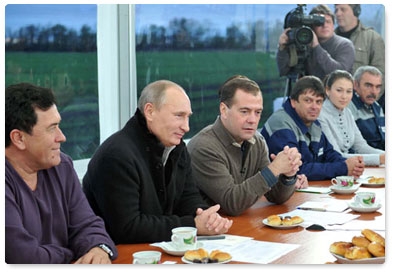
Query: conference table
313, 245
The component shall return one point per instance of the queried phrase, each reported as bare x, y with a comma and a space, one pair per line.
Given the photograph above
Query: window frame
116, 61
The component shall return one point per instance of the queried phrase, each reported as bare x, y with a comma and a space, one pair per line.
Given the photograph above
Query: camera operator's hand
283, 40
315, 41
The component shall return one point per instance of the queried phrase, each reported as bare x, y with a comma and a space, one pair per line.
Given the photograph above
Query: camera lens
304, 35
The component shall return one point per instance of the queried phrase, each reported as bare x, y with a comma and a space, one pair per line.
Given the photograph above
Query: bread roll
357, 253
287, 221
373, 236
376, 249
360, 241
220, 256
339, 248
297, 220
274, 220
197, 254
376, 180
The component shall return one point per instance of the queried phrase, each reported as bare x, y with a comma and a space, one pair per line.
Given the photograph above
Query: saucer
358, 208
374, 260
345, 190
171, 250
184, 260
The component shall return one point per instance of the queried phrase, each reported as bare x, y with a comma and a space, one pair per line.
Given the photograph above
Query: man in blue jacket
367, 112
296, 125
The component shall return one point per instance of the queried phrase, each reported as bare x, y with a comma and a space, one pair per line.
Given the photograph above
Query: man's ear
222, 108
18, 138
149, 109
293, 103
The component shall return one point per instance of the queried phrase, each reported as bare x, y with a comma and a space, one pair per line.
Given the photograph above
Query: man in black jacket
139, 180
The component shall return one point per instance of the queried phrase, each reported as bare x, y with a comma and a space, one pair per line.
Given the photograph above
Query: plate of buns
367, 248
282, 222
372, 181
202, 256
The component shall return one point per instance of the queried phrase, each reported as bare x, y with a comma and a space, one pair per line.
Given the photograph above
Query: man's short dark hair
306, 84
21, 100
323, 9
228, 89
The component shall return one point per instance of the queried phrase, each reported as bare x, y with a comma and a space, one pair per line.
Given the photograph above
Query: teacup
365, 198
343, 181
147, 257
184, 238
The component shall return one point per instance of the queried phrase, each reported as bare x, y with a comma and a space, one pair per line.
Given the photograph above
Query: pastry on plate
373, 236
357, 253
340, 247
376, 180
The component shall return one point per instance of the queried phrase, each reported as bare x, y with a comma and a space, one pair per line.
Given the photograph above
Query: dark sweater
139, 199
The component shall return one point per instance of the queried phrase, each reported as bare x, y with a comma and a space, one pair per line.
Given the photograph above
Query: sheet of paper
316, 190
331, 205
253, 251
322, 218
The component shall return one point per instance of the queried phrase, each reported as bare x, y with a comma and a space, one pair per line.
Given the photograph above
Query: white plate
169, 249
345, 190
359, 208
364, 180
190, 262
374, 260
265, 222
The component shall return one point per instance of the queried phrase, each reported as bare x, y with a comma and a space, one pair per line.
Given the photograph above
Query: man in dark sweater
139, 180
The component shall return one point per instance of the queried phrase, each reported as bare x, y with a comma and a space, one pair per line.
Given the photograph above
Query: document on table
253, 251
332, 205
316, 190
322, 218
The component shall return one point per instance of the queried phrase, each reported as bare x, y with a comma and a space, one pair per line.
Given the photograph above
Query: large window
98, 58
55, 46
200, 46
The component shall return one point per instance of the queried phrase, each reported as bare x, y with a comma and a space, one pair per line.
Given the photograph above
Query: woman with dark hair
338, 123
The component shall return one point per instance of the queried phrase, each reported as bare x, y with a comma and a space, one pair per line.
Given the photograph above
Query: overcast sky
74, 16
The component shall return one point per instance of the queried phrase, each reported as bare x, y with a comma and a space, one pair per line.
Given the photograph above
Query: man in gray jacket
369, 45
230, 159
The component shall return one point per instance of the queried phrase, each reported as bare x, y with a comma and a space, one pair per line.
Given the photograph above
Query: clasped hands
209, 222
286, 162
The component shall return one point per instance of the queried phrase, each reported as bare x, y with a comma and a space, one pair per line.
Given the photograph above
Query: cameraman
326, 53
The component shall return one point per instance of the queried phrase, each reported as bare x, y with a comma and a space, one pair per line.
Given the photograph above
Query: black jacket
127, 185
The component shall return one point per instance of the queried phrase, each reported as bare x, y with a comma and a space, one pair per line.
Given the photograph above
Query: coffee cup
365, 198
184, 238
147, 257
343, 181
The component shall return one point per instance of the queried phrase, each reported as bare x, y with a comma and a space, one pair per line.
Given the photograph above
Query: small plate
190, 262
364, 180
265, 222
374, 260
345, 190
358, 208
169, 249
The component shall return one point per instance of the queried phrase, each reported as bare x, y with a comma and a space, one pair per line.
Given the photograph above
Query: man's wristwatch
106, 249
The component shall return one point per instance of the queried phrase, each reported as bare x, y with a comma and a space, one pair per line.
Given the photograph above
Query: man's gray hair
367, 68
155, 93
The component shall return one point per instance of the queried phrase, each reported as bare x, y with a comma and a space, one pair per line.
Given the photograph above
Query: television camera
300, 36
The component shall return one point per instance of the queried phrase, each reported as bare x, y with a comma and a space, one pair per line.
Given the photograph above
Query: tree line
57, 38
180, 34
